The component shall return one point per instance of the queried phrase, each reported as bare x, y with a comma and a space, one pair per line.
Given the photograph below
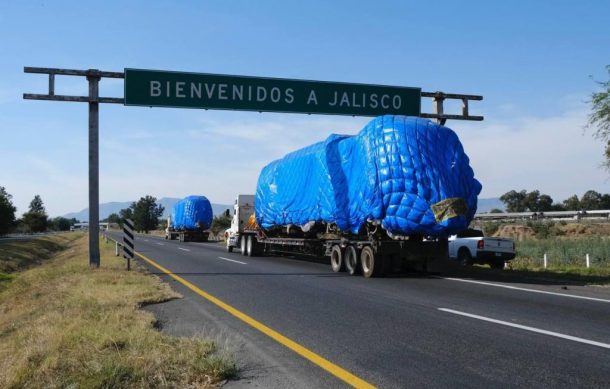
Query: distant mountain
486, 205
114, 207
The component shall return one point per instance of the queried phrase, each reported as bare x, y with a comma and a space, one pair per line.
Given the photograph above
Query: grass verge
63, 324
565, 259
17, 255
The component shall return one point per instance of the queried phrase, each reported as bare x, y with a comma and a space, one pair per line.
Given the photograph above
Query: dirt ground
520, 232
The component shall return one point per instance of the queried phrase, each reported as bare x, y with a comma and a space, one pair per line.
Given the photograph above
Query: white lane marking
183, 249
145, 240
160, 244
527, 328
527, 290
232, 260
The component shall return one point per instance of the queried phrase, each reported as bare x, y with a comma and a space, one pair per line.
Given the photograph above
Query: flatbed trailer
187, 235
371, 257
371, 253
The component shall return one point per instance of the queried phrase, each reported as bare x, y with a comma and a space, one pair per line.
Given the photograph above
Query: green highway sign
153, 88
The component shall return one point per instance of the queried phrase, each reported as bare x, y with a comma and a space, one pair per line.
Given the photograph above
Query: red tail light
481, 244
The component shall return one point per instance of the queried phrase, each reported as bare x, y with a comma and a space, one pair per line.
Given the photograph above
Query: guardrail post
116, 249
545, 263
588, 262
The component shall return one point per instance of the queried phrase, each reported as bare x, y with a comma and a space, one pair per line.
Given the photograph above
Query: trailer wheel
250, 246
336, 259
229, 247
181, 237
352, 260
372, 265
464, 257
242, 240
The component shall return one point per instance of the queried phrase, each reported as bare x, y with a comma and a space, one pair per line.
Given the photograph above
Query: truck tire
372, 265
464, 257
352, 260
250, 246
336, 259
242, 241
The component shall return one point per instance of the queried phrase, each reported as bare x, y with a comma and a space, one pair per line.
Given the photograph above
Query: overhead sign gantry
155, 88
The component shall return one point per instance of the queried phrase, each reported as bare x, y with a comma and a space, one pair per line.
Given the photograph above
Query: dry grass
63, 324
20, 254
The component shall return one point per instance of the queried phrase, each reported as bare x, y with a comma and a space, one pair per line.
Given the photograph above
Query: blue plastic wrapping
408, 174
191, 213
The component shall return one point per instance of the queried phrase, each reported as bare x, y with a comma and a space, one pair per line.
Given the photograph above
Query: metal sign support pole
94, 185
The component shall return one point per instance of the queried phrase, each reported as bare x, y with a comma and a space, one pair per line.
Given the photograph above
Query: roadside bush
490, 228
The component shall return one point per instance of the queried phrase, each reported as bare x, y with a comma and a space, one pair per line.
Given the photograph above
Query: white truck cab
242, 210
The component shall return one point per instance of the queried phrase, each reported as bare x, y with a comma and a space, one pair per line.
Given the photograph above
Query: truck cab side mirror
227, 213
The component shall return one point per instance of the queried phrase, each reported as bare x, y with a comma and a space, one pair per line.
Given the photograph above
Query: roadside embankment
63, 324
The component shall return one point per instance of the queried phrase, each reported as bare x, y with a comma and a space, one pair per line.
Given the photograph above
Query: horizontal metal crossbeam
73, 72
453, 117
76, 99
451, 96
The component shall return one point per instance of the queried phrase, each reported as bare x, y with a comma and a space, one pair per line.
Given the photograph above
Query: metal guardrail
552, 215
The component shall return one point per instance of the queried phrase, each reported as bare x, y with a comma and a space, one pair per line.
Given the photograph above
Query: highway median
63, 324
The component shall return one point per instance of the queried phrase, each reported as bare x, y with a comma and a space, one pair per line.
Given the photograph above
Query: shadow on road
524, 276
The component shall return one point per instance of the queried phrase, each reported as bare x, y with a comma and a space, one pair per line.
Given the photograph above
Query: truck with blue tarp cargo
384, 199
190, 219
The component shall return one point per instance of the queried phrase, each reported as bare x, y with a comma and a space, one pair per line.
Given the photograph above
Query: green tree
590, 200
514, 201
558, 207
126, 213
60, 224
599, 118
531, 201
113, 218
146, 214
605, 201
527, 201
7, 212
545, 203
220, 223
572, 203
36, 217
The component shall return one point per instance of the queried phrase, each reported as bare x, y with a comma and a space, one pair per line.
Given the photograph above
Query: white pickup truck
471, 246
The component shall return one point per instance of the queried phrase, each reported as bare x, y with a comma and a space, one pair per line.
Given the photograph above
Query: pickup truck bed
471, 246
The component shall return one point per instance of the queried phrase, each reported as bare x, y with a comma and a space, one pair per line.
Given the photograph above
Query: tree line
34, 220
534, 201
145, 214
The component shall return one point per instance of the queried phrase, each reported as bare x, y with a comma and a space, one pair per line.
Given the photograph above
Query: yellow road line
297, 348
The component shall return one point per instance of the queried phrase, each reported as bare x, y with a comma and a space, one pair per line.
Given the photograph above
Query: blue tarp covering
192, 212
409, 174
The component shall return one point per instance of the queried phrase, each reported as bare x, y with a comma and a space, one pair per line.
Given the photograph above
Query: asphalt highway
396, 332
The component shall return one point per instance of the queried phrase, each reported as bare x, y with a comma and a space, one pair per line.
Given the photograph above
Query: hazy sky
532, 62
